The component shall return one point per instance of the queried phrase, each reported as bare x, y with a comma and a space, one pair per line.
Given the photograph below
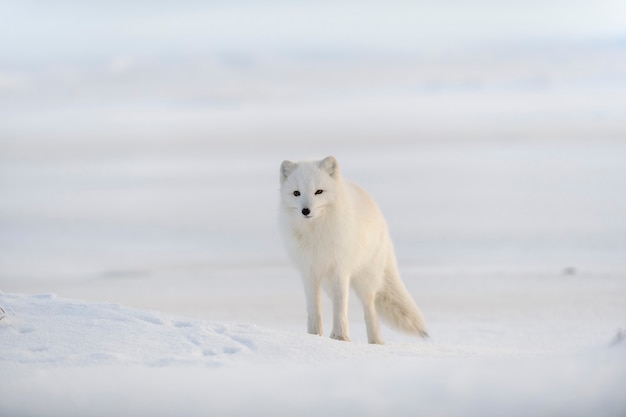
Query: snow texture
79, 358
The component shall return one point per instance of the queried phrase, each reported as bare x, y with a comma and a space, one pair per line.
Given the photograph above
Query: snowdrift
62, 357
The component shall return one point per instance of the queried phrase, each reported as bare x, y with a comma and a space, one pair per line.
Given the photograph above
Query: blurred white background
143, 138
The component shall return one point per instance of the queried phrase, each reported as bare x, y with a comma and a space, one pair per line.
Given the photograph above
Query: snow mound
44, 329
87, 359
47, 330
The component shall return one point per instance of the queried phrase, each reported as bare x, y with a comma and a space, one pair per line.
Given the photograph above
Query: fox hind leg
372, 324
366, 285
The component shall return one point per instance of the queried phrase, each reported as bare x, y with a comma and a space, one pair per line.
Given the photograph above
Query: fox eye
296, 193
319, 192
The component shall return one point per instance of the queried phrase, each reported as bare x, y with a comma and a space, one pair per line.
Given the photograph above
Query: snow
78, 358
141, 272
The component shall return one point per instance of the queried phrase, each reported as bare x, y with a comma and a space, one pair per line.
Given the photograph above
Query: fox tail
395, 305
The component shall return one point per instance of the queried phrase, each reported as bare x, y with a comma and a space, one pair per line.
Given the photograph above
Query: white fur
342, 242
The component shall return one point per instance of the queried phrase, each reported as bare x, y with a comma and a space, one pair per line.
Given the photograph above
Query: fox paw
340, 337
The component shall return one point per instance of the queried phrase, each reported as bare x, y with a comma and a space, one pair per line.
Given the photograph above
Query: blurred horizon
196, 53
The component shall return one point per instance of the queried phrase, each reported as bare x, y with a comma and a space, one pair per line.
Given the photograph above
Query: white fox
337, 237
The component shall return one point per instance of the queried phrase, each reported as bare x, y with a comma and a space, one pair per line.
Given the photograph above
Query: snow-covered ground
141, 272
63, 357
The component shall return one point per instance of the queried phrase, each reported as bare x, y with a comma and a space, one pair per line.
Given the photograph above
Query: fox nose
306, 211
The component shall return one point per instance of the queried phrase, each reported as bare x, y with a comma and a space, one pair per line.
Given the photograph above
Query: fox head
309, 188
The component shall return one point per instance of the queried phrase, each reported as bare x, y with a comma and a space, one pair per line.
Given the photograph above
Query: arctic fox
337, 237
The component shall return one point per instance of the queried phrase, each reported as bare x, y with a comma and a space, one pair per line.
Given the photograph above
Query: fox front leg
340, 292
313, 291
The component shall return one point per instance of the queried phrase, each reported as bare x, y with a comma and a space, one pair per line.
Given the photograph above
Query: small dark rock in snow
570, 270
620, 336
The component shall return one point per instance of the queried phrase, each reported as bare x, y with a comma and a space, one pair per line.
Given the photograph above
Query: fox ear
330, 165
286, 168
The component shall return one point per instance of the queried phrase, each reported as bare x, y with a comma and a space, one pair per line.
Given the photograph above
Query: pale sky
35, 31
